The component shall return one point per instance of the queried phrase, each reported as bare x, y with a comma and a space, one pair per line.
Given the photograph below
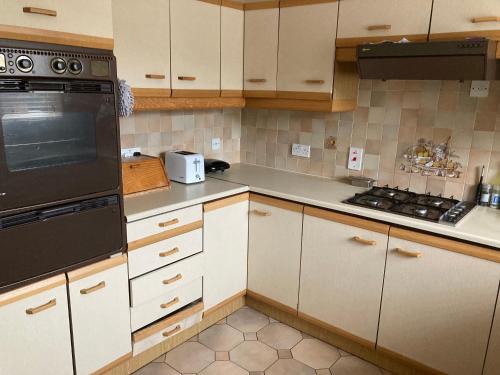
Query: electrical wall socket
216, 144
479, 89
129, 152
301, 150
355, 159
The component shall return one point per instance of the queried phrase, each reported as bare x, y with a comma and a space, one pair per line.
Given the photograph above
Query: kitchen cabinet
363, 21
100, 315
142, 43
342, 272
225, 249
437, 304
34, 321
275, 235
492, 364
306, 50
195, 39
232, 25
472, 18
261, 49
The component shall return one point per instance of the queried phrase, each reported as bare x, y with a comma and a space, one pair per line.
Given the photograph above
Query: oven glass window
36, 139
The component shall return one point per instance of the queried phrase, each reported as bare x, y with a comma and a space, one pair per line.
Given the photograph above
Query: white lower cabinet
342, 272
275, 234
226, 248
437, 305
34, 326
492, 364
100, 314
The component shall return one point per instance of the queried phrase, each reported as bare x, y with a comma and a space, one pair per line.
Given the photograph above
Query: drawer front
379, 18
166, 279
165, 304
161, 223
160, 254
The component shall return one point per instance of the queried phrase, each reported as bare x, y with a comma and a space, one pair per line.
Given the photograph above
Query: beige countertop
481, 226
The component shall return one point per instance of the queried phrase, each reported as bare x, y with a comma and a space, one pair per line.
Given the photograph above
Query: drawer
160, 223
160, 254
165, 280
165, 304
167, 328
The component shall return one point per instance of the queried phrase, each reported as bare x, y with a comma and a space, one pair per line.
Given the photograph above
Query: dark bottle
480, 187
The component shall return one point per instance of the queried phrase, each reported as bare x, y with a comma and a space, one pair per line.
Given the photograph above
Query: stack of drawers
166, 274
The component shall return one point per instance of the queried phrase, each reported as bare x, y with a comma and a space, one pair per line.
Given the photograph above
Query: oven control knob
58, 65
75, 66
24, 64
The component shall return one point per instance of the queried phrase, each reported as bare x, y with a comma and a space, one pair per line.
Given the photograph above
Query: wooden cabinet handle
134, 166
43, 12
315, 81
486, 19
172, 331
93, 289
173, 279
185, 78
410, 254
257, 80
363, 241
36, 310
168, 223
167, 253
379, 27
170, 303
260, 213
155, 76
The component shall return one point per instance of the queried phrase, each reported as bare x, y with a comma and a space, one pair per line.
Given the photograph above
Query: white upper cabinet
195, 39
261, 51
232, 25
472, 17
306, 50
379, 19
142, 42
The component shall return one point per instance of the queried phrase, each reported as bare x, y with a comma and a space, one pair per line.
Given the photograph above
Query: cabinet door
275, 234
195, 38
492, 364
377, 20
34, 322
142, 42
342, 272
261, 52
226, 247
437, 308
470, 18
100, 315
232, 24
306, 51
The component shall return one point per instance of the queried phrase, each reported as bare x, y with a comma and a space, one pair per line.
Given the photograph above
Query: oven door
58, 140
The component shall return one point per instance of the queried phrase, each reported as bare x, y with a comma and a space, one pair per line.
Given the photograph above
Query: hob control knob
24, 64
75, 66
58, 65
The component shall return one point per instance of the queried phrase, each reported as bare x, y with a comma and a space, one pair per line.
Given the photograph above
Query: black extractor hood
449, 60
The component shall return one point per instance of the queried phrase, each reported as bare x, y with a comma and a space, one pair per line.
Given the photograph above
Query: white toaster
184, 166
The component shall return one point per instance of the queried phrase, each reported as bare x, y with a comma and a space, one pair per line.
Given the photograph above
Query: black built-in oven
60, 182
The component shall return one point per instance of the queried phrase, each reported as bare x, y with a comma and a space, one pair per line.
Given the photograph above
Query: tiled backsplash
157, 132
391, 117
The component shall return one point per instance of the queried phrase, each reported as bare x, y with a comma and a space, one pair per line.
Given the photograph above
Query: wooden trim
56, 37
215, 308
295, 3
41, 11
344, 105
489, 34
95, 268
354, 42
171, 320
262, 5
338, 331
328, 106
31, 290
232, 4
214, 2
271, 302
304, 95
215, 205
182, 93
414, 364
485, 19
498, 51
175, 104
155, 76
231, 93
113, 364
134, 245
446, 244
260, 93
347, 220
280, 203
346, 54
151, 93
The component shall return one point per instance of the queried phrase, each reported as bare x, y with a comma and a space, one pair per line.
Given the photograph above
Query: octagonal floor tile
221, 337
315, 353
190, 357
353, 366
247, 320
279, 336
156, 368
223, 368
288, 367
253, 356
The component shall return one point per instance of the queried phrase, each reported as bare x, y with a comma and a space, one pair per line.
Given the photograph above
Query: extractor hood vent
450, 60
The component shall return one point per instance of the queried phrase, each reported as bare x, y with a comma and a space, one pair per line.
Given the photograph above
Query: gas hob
434, 208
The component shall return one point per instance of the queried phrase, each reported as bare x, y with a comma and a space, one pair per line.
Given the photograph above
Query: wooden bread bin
141, 173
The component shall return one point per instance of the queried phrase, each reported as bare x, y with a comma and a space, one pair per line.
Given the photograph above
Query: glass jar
485, 195
495, 197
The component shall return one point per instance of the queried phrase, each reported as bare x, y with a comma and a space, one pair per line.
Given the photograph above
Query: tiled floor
249, 343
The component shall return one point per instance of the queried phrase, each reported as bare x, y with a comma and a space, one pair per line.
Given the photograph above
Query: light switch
355, 159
